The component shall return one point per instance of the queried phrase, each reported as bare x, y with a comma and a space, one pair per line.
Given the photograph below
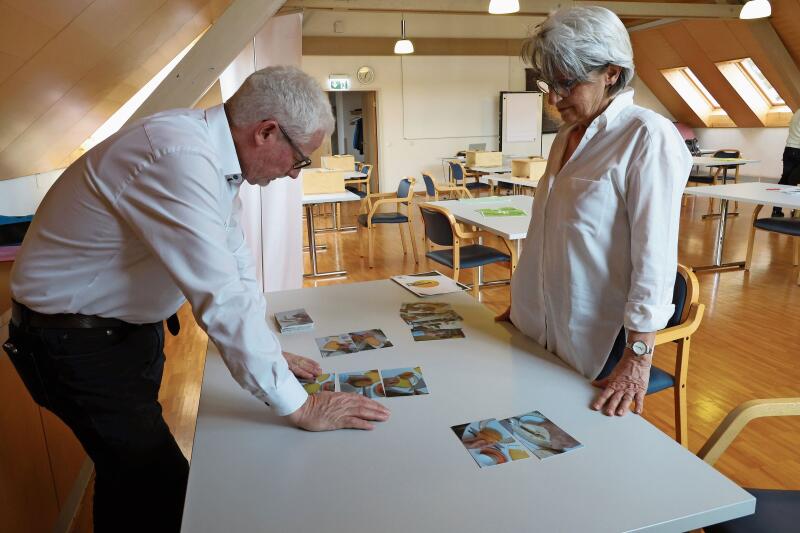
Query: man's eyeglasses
304, 160
561, 88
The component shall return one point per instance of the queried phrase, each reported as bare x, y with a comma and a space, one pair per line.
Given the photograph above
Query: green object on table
502, 212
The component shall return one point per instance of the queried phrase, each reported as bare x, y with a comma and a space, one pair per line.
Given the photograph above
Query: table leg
718, 265
312, 248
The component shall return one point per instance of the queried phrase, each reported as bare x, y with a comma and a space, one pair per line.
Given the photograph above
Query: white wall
763, 144
399, 155
22, 196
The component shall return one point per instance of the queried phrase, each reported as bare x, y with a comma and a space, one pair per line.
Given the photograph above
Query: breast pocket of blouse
585, 203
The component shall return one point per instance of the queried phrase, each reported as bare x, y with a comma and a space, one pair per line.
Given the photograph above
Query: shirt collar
620, 102
222, 139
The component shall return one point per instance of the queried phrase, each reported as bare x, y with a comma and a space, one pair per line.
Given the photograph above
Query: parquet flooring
747, 346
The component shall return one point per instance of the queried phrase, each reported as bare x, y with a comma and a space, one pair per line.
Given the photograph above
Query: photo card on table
366, 383
540, 435
323, 382
370, 339
404, 382
336, 345
489, 443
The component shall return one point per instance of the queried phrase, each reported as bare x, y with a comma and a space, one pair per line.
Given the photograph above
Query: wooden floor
748, 345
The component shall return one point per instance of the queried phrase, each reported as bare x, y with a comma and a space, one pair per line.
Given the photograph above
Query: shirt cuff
288, 398
647, 318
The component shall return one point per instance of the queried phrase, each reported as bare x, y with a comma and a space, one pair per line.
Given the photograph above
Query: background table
518, 182
252, 472
511, 228
309, 200
754, 193
724, 163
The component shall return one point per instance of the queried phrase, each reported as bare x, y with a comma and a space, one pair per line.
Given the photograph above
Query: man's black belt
22, 316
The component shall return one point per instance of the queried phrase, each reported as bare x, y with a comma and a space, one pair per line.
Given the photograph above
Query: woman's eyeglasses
562, 88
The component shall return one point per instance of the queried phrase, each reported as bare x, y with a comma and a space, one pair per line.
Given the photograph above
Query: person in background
791, 158
142, 222
597, 271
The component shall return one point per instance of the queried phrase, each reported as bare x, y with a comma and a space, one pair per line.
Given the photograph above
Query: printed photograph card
404, 382
489, 443
367, 383
429, 283
294, 320
357, 341
324, 382
370, 339
540, 435
435, 331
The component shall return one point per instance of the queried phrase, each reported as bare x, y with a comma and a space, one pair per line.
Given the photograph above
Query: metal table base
718, 265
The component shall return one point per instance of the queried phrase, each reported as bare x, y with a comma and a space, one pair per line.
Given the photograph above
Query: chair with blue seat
403, 198
458, 177
785, 226
679, 329
441, 229
433, 189
355, 187
777, 511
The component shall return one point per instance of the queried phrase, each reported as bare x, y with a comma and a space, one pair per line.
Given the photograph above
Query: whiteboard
522, 123
443, 99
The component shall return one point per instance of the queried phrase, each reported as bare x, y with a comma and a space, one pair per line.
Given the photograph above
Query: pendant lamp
756, 9
503, 7
403, 46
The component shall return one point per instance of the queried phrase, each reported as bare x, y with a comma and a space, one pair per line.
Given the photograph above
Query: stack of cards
294, 320
432, 321
372, 383
492, 442
357, 341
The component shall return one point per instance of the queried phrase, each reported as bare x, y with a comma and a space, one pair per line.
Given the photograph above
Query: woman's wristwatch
639, 348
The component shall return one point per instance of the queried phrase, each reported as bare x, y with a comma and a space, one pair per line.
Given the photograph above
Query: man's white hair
574, 41
287, 95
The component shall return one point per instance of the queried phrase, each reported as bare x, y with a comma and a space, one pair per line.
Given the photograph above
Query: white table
724, 163
518, 182
252, 472
754, 193
511, 228
492, 170
309, 200
355, 175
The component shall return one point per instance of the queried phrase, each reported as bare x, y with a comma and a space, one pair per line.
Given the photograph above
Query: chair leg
796, 258
748, 261
413, 242
402, 239
476, 287
360, 236
371, 245
681, 373
456, 272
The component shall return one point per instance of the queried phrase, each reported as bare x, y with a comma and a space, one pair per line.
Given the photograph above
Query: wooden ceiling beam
205, 62
527, 7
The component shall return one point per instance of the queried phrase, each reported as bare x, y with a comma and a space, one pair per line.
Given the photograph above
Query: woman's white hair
284, 94
574, 41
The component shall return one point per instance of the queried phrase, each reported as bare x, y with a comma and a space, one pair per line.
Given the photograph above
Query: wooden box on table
322, 181
339, 162
477, 158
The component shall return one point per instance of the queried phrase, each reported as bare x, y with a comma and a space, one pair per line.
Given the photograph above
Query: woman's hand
302, 367
626, 383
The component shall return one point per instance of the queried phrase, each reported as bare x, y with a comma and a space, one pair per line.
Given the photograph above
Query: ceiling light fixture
503, 7
403, 46
756, 9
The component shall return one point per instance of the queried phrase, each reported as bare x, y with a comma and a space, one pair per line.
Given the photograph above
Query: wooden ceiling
67, 65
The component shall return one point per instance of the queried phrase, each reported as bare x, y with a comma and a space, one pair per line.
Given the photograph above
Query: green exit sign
339, 83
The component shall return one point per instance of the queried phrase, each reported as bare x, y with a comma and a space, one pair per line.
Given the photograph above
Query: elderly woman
596, 277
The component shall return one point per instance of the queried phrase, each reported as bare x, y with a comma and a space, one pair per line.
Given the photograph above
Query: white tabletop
512, 228
753, 192
344, 196
721, 161
355, 175
252, 472
492, 170
516, 180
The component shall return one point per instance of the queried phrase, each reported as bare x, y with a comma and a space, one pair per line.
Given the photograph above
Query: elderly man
139, 224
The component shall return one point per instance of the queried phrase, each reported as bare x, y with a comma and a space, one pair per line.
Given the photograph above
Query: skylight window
759, 80
694, 93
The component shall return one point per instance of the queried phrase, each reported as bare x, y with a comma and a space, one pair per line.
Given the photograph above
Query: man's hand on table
302, 367
327, 411
626, 383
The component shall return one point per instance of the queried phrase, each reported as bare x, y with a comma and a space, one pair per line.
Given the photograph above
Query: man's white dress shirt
602, 246
145, 220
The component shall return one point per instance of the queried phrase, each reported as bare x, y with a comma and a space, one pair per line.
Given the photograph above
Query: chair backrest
405, 189
685, 292
456, 172
430, 188
366, 168
438, 228
693, 145
728, 152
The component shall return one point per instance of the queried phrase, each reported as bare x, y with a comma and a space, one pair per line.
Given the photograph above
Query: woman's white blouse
602, 246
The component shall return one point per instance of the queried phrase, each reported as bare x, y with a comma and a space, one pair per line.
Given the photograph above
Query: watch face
639, 348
